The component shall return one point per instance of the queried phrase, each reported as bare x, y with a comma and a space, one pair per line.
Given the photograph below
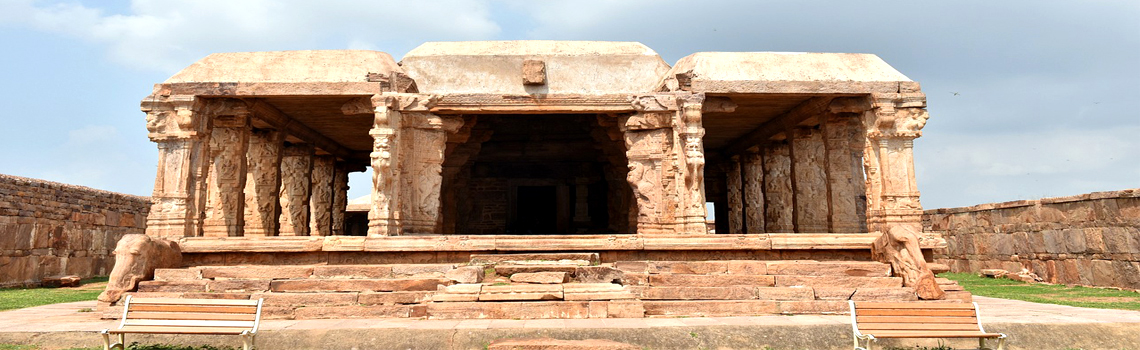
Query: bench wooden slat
190, 323
872, 327
897, 312
926, 305
915, 319
196, 308
151, 315
179, 330
933, 334
175, 301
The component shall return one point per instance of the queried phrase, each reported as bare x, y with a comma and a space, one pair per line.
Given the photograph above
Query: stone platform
1029, 326
575, 285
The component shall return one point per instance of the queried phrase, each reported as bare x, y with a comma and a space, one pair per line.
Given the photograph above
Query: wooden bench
187, 316
872, 321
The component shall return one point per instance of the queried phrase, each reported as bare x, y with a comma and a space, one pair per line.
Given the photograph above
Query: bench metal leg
248, 340
107, 345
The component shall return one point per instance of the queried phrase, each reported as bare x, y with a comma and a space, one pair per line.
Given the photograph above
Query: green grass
19, 298
1101, 298
132, 346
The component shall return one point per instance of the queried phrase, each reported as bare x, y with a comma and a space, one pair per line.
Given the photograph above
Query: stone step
696, 293
837, 281
693, 280
710, 308
866, 294
177, 274
751, 267
596, 291
579, 259
515, 292
359, 311
257, 272
358, 285
559, 344
537, 310
829, 268
583, 274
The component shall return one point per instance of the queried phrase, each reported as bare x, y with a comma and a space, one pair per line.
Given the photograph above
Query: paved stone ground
1030, 326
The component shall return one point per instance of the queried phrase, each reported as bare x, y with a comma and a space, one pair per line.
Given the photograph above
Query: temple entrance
522, 174
536, 210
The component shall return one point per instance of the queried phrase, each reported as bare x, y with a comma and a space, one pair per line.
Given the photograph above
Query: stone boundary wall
1091, 239
51, 229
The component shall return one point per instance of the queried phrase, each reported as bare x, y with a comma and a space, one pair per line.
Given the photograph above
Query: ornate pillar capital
173, 117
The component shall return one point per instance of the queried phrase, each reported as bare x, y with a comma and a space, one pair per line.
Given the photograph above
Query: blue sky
1044, 104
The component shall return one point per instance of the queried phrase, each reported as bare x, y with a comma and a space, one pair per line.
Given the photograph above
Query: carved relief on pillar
296, 170
848, 191
652, 170
692, 134
424, 142
176, 124
263, 182
892, 124
384, 215
778, 188
225, 190
811, 180
752, 173
735, 197
321, 196
340, 198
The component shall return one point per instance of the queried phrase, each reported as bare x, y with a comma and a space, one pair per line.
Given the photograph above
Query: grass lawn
1101, 298
132, 346
19, 298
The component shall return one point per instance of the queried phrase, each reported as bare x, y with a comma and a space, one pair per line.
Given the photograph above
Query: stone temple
531, 179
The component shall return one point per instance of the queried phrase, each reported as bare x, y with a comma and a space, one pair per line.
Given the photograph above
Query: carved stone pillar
810, 180
692, 133
752, 171
652, 170
424, 141
177, 125
582, 204
321, 196
384, 213
844, 172
892, 124
296, 170
778, 194
225, 189
407, 160
263, 182
735, 197
340, 199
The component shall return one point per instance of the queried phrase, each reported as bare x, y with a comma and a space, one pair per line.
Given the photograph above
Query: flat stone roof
312, 66
572, 67
788, 72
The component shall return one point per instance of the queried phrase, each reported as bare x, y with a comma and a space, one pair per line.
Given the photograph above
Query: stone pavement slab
1029, 325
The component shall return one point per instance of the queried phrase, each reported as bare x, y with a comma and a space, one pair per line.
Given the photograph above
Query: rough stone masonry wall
50, 229
1090, 239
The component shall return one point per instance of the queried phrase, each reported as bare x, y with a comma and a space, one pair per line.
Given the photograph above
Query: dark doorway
537, 174
536, 210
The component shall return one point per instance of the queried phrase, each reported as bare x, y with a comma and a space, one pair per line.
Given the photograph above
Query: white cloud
168, 35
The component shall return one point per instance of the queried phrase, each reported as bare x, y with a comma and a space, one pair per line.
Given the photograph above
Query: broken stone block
466, 274
597, 274
539, 277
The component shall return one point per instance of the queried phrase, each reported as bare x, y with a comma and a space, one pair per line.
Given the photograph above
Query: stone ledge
504, 243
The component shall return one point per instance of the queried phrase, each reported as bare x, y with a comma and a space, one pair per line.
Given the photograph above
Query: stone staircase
534, 286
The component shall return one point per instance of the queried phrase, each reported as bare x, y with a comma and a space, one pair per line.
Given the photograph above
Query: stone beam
807, 109
277, 119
